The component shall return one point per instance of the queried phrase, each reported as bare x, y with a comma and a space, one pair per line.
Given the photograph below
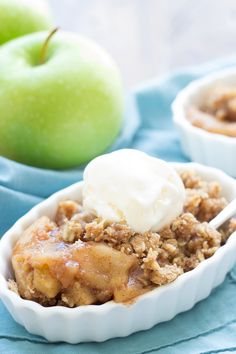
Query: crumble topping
80, 259
218, 113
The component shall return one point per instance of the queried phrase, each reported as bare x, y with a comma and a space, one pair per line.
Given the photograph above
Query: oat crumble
217, 114
128, 263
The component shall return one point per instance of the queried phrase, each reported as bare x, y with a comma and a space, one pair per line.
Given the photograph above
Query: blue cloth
210, 327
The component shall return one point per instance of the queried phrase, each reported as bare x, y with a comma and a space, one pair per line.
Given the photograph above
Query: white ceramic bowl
201, 146
98, 323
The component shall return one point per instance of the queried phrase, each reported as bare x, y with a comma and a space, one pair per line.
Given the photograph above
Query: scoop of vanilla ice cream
129, 185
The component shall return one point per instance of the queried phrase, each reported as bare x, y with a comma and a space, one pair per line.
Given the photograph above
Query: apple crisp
80, 259
217, 114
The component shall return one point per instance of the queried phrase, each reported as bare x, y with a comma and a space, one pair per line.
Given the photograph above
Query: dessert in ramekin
108, 272
203, 113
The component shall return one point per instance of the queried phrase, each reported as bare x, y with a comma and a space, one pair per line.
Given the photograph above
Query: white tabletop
150, 37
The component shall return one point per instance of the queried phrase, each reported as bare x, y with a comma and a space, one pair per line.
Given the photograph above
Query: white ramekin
201, 146
98, 323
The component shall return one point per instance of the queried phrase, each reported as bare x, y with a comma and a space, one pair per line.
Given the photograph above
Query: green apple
20, 17
61, 101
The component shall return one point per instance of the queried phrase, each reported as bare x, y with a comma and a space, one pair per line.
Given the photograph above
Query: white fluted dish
210, 149
102, 322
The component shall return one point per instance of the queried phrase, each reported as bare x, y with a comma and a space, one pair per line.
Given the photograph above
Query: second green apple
63, 111
20, 17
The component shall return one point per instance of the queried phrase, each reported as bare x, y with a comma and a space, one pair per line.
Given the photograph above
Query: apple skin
63, 112
20, 17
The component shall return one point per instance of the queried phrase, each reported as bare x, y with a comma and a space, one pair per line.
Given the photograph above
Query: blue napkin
210, 327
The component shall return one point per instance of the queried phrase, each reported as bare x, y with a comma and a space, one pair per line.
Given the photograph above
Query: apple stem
45, 45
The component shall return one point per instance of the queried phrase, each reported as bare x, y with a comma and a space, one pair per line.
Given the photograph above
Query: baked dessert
217, 114
80, 259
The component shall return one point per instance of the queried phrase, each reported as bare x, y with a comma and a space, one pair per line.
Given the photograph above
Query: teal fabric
210, 327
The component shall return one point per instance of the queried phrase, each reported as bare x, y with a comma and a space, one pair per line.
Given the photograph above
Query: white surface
215, 150
148, 38
112, 319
